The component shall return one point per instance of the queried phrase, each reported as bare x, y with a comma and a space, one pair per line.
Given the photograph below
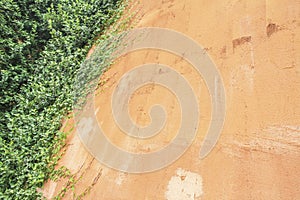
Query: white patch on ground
97, 110
121, 177
184, 185
249, 75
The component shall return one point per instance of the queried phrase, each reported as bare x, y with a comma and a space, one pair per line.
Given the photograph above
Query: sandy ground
256, 47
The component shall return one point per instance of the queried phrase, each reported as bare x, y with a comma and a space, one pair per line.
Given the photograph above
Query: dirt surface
255, 46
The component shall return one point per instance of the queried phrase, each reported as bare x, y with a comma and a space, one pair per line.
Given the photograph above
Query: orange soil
255, 45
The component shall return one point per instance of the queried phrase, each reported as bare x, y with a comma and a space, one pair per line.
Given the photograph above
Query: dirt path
256, 49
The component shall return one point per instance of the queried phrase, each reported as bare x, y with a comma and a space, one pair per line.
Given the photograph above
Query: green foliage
43, 43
